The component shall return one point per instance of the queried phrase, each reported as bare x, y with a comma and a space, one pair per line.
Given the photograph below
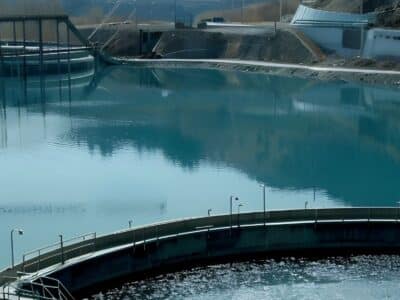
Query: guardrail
38, 257
57, 253
43, 288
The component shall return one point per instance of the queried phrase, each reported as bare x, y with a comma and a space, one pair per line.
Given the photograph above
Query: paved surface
263, 64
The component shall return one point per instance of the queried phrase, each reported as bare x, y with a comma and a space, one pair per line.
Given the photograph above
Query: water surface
360, 277
89, 152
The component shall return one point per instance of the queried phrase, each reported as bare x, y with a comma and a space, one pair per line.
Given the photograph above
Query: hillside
258, 12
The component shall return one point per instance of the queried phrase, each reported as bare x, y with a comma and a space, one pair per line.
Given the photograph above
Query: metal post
231, 213
144, 240
264, 204
238, 215
24, 44
94, 241
62, 249
69, 62
58, 60
1, 58
241, 11
134, 240
12, 248
16, 48
40, 46
20, 232
398, 211
38, 264
174, 13
209, 215
130, 223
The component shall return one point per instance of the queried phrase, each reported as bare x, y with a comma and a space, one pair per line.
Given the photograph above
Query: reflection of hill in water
286, 132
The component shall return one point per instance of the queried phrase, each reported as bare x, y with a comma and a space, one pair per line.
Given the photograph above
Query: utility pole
242, 12
175, 12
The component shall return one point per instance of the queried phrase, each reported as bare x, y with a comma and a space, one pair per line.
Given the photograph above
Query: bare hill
259, 12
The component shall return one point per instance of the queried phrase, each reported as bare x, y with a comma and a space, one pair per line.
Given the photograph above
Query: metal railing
43, 288
58, 252
16, 41
62, 251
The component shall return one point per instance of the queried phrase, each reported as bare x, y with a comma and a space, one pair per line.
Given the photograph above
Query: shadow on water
289, 133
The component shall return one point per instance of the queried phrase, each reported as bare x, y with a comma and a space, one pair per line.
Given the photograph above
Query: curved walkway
83, 265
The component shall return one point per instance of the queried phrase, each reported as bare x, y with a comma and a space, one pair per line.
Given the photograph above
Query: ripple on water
358, 277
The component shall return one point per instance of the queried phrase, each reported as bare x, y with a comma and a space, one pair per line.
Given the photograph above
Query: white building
347, 34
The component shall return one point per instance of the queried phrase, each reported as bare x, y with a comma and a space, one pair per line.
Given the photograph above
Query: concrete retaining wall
176, 244
220, 245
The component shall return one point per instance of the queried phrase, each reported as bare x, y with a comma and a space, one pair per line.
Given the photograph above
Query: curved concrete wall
174, 252
174, 244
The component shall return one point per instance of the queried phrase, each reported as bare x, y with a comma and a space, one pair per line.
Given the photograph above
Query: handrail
174, 227
44, 291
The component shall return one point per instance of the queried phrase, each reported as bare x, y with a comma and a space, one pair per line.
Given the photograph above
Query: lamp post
20, 232
62, 248
264, 202
231, 204
238, 214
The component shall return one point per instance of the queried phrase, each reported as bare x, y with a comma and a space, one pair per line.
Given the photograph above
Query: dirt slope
203, 44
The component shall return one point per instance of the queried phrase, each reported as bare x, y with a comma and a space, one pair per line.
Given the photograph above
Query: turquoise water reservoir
91, 151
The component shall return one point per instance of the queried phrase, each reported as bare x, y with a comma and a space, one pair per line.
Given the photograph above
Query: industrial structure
80, 266
348, 34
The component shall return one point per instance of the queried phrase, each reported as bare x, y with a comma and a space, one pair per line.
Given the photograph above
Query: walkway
93, 259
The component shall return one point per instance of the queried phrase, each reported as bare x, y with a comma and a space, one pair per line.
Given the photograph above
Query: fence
86, 244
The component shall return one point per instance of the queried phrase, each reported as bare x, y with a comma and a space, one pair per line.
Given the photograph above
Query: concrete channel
91, 262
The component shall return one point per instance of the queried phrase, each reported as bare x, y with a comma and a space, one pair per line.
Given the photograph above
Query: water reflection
166, 143
285, 132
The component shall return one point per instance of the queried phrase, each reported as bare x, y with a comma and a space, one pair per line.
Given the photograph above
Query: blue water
89, 152
358, 278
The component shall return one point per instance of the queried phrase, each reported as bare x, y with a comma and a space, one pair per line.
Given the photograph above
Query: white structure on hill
347, 34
